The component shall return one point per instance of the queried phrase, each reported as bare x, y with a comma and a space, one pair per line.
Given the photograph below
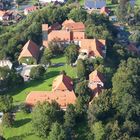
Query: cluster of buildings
62, 87
67, 33
63, 91
73, 32
9, 15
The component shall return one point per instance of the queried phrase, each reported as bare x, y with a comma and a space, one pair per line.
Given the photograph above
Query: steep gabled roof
96, 76
62, 82
78, 35
68, 21
93, 46
60, 35
63, 98
76, 26
30, 49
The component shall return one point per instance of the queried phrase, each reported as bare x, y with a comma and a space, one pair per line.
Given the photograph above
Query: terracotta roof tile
62, 82
67, 21
30, 49
60, 35
62, 98
93, 47
78, 35
96, 76
76, 26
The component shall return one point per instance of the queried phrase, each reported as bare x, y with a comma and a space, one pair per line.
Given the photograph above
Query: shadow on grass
51, 74
20, 137
21, 122
17, 90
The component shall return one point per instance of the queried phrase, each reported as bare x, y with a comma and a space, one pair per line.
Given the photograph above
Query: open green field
22, 129
138, 2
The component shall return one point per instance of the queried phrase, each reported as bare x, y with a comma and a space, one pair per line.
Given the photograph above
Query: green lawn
138, 2
22, 125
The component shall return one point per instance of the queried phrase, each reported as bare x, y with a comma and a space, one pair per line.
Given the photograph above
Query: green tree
82, 89
126, 80
57, 132
78, 14
69, 117
84, 95
123, 10
71, 53
6, 103
7, 119
98, 131
43, 116
37, 72
101, 107
81, 71
135, 37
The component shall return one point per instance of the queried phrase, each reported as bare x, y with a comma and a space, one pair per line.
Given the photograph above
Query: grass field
138, 2
22, 129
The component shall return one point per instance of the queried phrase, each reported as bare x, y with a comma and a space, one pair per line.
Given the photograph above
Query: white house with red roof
96, 82
93, 47
29, 53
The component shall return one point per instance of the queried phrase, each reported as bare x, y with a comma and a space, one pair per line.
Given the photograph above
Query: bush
24, 108
7, 119
37, 72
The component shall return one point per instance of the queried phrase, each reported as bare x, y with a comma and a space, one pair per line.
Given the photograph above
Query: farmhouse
70, 33
74, 32
62, 92
96, 82
93, 47
29, 53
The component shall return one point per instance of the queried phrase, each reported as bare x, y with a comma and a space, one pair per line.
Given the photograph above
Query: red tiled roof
30, 49
31, 9
96, 76
62, 82
104, 10
76, 26
60, 35
67, 21
63, 98
93, 47
78, 35
2, 13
